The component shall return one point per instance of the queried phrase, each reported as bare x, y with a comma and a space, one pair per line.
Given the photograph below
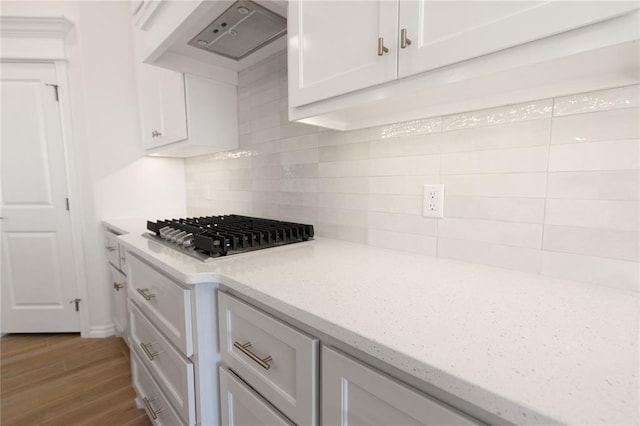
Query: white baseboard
101, 331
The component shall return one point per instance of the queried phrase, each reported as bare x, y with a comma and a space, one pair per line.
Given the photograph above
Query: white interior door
38, 267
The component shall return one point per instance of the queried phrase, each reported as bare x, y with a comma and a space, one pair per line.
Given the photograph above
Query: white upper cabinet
444, 57
163, 108
185, 115
445, 32
337, 47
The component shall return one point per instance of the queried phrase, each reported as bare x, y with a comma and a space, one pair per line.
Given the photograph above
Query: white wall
549, 186
115, 179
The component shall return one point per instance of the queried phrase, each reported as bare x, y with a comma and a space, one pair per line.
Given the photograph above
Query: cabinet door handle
111, 248
147, 351
381, 48
117, 286
404, 40
147, 404
155, 134
244, 348
143, 292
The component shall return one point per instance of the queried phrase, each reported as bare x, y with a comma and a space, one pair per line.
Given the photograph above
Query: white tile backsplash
507, 114
597, 126
548, 186
521, 185
599, 214
592, 269
518, 160
610, 155
607, 243
528, 235
595, 185
621, 97
518, 258
513, 135
527, 210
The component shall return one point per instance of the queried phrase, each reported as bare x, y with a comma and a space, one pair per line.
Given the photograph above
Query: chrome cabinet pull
143, 292
155, 134
111, 248
404, 40
117, 286
381, 48
147, 404
262, 362
147, 351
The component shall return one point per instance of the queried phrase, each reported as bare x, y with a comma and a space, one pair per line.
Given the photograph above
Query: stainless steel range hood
241, 30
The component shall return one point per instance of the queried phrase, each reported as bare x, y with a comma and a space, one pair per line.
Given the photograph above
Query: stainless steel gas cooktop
208, 237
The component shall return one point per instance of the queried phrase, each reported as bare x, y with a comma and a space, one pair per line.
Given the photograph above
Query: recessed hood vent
241, 30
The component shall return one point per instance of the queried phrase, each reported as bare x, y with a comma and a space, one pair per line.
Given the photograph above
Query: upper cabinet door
162, 98
446, 32
333, 47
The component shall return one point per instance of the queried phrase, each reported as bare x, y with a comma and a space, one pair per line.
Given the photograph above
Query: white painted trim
34, 38
74, 193
29, 39
99, 331
35, 27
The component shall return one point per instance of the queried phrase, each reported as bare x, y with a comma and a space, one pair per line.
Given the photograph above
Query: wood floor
62, 379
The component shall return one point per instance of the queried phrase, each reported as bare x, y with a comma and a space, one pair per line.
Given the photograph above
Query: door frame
43, 39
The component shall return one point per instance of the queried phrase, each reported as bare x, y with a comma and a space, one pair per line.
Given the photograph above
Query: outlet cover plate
433, 201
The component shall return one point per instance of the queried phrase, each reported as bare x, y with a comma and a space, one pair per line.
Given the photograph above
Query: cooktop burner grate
213, 236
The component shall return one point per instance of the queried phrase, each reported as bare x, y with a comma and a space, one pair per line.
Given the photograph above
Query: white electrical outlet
433, 202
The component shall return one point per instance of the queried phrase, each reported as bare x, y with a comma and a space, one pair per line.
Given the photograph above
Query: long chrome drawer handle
143, 292
147, 351
262, 362
147, 404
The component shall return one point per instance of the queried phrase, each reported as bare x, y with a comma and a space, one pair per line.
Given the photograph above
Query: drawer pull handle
147, 404
146, 348
262, 362
143, 292
111, 248
117, 286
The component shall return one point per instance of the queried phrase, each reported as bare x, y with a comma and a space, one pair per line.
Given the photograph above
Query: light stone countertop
530, 349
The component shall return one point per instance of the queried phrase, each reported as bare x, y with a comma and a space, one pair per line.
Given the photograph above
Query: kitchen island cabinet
482, 341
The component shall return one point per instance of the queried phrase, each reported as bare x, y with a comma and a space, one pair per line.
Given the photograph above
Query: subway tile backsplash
549, 186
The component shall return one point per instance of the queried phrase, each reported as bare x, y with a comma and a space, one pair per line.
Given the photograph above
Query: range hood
241, 30
212, 38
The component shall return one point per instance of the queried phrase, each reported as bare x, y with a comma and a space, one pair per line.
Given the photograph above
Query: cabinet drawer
173, 372
163, 301
111, 248
353, 393
156, 405
241, 406
288, 374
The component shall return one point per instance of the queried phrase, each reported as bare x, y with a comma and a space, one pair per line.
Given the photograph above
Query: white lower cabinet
242, 406
277, 360
174, 362
173, 371
118, 283
354, 394
150, 397
117, 273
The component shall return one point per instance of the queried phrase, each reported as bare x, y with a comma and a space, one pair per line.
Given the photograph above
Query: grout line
546, 186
